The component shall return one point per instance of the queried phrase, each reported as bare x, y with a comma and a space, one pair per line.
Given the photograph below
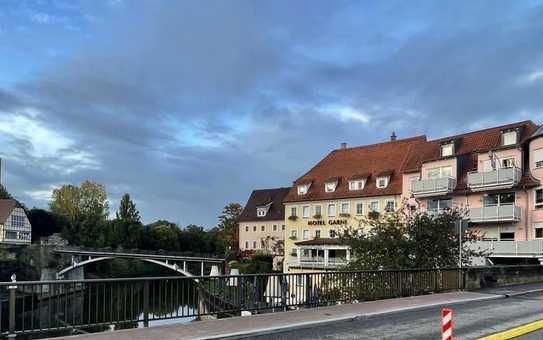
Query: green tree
410, 240
228, 227
127, 212
84, 210
4, 194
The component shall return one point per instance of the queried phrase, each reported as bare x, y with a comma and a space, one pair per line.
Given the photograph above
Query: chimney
343, 146
393, 136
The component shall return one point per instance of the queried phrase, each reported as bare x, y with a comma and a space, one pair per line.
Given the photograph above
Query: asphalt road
471, 320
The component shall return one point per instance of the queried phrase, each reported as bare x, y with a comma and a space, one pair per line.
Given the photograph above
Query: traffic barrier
446, 324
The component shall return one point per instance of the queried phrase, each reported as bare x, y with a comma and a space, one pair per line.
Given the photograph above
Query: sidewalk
268, 323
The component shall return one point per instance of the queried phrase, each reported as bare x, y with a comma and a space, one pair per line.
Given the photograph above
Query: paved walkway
267, 323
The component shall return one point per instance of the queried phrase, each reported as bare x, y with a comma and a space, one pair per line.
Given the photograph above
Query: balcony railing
495, 179
433, 186
498, 213
318, 262
510, 248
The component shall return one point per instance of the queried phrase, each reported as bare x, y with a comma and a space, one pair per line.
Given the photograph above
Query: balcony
498, 213
532, 248
495, 179
433, 186
318, 262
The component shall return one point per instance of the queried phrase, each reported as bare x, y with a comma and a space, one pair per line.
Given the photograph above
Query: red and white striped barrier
446, 324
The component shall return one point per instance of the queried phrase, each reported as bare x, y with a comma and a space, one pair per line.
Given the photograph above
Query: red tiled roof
367, 160
6, 207
263, 197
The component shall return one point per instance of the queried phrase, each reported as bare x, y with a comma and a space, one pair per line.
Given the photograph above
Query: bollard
12, 290
446, 324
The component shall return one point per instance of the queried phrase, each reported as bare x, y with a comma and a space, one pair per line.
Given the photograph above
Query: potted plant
317, 216
344, 215
293, 217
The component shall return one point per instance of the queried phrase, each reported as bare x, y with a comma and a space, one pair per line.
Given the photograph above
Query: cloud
41, 18
188, 107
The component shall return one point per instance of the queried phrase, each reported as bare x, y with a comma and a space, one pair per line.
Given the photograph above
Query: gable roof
466, 144
362, 161
262, 198
6, 207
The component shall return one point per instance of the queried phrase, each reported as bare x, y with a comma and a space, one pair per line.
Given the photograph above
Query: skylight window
382, 182
356, 184
303, 189
330, 186
447, 149
509, 137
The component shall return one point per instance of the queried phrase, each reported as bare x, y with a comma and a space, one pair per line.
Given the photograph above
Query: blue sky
190, 105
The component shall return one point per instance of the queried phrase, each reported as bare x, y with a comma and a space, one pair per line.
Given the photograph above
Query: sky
189, 105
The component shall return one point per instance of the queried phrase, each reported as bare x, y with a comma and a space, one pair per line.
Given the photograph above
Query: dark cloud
188, 107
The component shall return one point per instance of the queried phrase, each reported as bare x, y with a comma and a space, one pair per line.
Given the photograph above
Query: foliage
410, 240
258, 263
228, 227
4, 194
128, 214
44, 223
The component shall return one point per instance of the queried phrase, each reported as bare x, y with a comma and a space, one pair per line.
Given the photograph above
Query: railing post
241, 293
146, 303
308, 289
12, 290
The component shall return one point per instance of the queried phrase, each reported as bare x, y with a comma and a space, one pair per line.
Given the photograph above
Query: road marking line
515, 332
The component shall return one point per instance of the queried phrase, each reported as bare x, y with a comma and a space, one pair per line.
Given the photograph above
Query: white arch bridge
180, 264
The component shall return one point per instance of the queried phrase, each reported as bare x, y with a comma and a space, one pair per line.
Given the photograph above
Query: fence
94, 305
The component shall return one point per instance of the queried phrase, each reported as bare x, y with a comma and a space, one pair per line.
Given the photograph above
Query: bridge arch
165, 264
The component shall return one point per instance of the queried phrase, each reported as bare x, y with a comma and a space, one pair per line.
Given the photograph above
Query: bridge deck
137, 255
273, 322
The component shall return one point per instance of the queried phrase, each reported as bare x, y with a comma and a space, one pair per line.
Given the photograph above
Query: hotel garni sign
330, 222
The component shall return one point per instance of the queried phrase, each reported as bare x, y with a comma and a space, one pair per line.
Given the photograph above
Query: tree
43, 222
127, 212
85, 210
4, 194
417, 240
228, 226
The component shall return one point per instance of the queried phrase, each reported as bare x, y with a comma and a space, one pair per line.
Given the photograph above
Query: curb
524, 292
352, 317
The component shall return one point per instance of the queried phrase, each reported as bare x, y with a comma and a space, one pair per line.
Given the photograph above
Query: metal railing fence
92, 305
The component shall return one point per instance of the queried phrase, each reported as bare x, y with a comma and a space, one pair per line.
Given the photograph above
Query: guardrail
60, 307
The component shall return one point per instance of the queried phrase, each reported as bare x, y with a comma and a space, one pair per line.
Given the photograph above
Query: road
471, 320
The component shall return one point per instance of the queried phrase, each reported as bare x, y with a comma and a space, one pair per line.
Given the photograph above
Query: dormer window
447, 149
509, 137
356, 184
330, 186
303, 188
261, 212
382, 182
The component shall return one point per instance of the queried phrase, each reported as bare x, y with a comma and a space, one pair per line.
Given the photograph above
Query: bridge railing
136, 251
67, 307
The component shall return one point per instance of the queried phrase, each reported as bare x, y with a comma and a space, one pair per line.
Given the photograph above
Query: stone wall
497, 276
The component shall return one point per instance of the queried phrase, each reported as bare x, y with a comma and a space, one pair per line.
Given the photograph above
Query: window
390, 206
254, 228
263, 228
294, 233
374, 206
275, 227
254, 244
538, 198
344, 208
262, 244
356, 184
306, 234
283, 227
293, 211
17, 221
507, 236
509, 137
330, 186
305, 211
447, 149
332, 233
317, 233
318, 210
507, 198
508, 162
303, 189
538, 228
439, 204
538, 158
331, 209
246, 228
261, 212
360, 208
443, 171
246, 244
382, 182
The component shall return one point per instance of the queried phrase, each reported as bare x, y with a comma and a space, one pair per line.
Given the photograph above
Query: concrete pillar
325, 257
233, 281
298, 255
348, 254
185, 266
214, 270
201, 268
